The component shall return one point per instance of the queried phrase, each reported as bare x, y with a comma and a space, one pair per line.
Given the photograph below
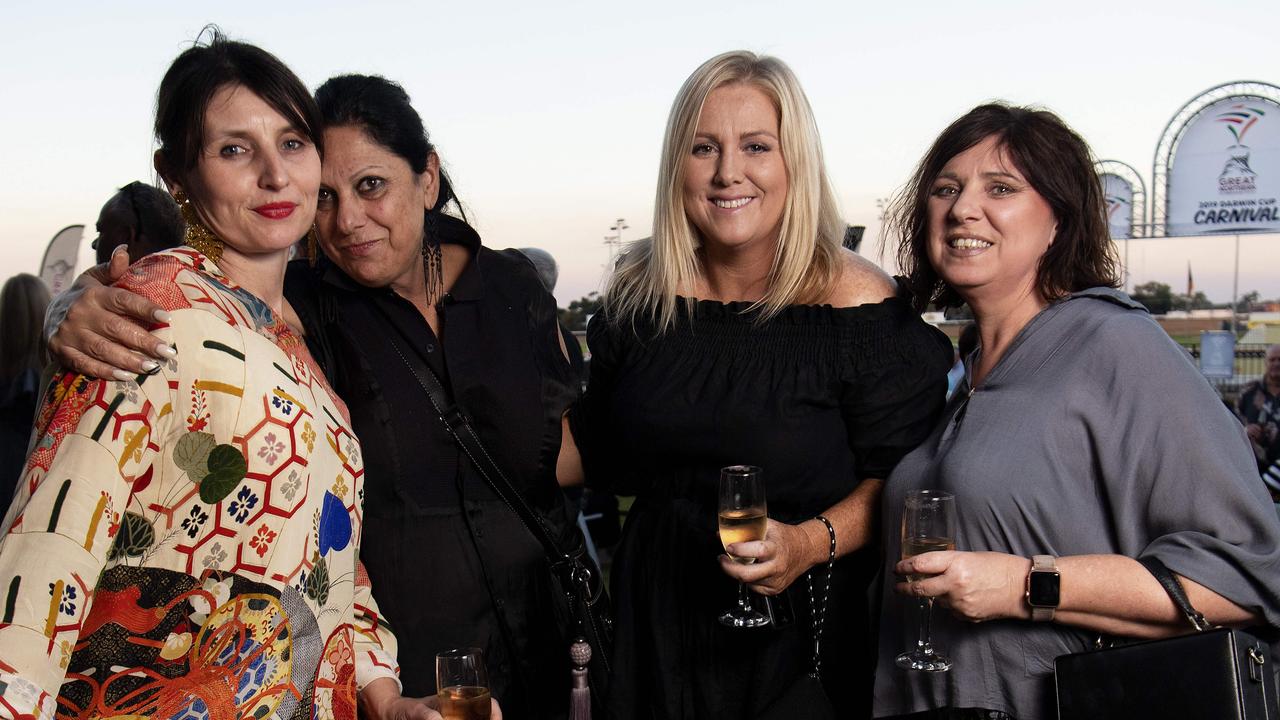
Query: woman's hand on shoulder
975, 586
102, 333
861, 282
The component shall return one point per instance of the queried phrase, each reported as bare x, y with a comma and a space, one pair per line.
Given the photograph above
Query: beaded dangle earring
198, 236
432, 259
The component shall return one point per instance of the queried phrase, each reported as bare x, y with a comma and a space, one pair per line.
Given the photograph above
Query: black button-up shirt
451, 565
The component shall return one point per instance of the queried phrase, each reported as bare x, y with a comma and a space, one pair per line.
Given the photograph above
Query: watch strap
1043, 563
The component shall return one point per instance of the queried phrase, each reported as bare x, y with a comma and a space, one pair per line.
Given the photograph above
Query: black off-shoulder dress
821, 398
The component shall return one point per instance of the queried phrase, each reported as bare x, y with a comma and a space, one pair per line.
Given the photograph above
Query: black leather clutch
1211, 674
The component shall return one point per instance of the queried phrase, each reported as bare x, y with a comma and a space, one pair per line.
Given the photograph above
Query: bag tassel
580, 695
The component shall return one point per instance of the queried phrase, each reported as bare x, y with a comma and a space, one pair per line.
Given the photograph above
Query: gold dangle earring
198, 236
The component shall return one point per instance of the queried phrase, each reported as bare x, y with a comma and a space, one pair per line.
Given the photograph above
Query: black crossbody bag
1211, 674
580, 604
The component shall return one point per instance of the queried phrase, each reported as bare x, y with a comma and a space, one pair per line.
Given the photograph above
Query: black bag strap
459, 427
1171, 585
582, 582
570, 565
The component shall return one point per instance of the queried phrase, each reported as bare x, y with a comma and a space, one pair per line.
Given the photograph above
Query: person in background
743, 333
1081, 438
23, 302
141, 217
549, 273
1258, 407
546, 265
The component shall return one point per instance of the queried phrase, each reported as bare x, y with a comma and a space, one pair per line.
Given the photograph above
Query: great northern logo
1237, 176
1115, 203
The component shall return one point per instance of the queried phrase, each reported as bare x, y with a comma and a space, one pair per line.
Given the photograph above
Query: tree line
1159, 298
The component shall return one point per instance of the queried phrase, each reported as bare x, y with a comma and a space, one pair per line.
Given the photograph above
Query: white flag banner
58, 268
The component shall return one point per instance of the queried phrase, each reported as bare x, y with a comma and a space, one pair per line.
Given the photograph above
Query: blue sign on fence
1217, 353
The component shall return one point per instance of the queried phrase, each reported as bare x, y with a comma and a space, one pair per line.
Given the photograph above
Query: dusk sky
549, 116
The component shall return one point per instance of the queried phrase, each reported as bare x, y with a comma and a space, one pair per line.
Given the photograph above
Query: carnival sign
1225, 173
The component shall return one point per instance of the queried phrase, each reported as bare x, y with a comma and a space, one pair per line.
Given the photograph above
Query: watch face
1043, 589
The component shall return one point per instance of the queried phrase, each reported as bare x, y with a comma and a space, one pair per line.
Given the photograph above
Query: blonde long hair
806, 264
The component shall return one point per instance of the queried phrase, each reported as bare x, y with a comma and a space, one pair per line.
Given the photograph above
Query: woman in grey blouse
1081, 436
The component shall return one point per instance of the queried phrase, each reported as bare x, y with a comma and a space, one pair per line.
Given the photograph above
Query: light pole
614, 242
882, 205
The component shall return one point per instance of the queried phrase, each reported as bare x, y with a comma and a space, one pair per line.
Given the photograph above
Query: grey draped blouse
1094, 434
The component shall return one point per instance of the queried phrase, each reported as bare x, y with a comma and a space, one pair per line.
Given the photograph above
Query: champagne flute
928, 524
462, 684
743, 517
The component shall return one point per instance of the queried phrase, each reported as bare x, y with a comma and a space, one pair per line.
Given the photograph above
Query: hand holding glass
743, 518
462, 684
928, 524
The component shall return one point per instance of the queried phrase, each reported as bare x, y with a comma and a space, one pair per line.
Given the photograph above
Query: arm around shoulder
99, 330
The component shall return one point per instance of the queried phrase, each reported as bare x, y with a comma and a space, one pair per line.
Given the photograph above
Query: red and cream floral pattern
186, 544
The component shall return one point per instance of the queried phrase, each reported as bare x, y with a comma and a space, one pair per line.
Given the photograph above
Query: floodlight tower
613, 241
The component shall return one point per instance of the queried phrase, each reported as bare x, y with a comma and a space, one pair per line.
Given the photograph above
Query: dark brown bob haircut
204, 69
1058, 164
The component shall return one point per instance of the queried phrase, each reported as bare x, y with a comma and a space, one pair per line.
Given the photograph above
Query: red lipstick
277, 210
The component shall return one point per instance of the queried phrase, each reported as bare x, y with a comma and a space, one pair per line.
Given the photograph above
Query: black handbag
806, 697
1211, 674
582, 609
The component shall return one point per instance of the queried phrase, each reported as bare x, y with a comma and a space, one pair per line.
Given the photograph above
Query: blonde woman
742, 333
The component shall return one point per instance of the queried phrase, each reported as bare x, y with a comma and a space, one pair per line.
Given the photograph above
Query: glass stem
743, 602
925, 643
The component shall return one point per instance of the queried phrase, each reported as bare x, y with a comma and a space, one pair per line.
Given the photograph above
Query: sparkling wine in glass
743, 518
928, 524
462, 684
